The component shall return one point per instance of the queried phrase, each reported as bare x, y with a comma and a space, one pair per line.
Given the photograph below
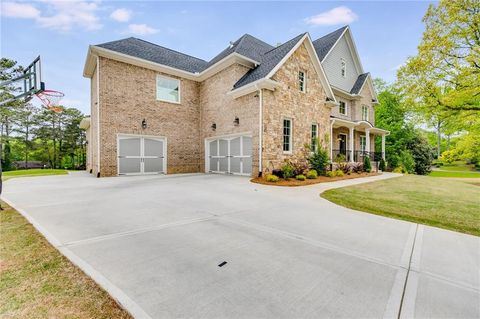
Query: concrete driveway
155, 243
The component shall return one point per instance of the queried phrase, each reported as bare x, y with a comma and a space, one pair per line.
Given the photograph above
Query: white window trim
346, 108
343, 65
290, 141
179, 89
304, 80
364, 150
367, 114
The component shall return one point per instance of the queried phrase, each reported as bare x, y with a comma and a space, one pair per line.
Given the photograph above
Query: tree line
29, 134
433, 107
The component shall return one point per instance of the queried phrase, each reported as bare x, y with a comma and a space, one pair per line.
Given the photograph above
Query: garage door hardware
223, 263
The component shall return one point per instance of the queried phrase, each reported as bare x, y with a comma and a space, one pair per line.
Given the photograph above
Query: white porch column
383, 146
351, 138
367, 140
331, 140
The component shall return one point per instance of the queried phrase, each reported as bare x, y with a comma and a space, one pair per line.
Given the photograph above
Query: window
168, 89
301, 81
363, 143
287, 135
364, 113
314, 137
343, 68
342, 108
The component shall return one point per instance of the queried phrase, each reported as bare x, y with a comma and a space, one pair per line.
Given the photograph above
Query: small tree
382, 165
319, 159
422, 154
367, 166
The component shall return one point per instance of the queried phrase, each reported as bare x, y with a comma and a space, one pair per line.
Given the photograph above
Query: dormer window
302, 85
343, 68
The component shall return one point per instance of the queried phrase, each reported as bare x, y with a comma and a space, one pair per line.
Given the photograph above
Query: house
156, 110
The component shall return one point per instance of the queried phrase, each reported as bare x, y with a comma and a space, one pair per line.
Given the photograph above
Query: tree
422, 155
445, 74
25, 121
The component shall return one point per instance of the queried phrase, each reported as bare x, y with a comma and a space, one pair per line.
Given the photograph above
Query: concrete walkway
155, 243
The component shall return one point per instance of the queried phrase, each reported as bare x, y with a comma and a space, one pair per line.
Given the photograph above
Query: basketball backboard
29, 83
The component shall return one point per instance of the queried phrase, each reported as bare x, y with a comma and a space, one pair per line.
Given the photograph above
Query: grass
36, 281
440, 202
32, 172
458, 174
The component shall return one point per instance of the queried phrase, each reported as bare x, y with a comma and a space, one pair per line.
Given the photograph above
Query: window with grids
168, 89
363, 143
342, 108
302, 85
343, 68
287, 135
314, 138
364, 113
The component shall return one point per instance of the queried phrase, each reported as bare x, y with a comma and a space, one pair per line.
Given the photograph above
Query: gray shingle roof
247, 46
324, 44
268, 61
357, 86
155, 53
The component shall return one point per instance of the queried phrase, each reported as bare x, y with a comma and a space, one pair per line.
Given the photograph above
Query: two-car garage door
141, 155
231, 155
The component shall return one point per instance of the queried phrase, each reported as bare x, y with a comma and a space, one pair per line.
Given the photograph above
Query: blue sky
386, 33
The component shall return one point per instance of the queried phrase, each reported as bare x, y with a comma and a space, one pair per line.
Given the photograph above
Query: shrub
319, 159
367, 166
382, 165
400, 169
288, 170
422, 154
299, 168
357, 168
330, 173
312, 174
339, 173
271, 178
300, 177
448, 157
278, 173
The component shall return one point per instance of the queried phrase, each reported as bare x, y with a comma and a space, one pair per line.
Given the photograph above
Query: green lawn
459, 174
459, 166
32, 172
440, 202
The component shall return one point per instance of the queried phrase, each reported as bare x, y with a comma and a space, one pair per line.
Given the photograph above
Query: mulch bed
292, 182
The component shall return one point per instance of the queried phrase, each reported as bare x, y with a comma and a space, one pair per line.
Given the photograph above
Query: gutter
98, 116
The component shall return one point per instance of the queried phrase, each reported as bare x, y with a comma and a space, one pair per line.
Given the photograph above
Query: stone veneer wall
219, 108
289, 102
127, 96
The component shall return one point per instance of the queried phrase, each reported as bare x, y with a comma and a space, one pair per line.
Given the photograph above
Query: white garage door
141, 155
232, 155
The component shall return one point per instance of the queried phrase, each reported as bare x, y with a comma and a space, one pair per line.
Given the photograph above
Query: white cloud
121, 15
57, 15
19, 10
140, 29
335, 16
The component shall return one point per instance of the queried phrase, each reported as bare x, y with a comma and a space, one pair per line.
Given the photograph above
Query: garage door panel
130, 165
223, 147
153, 165
213, 165
235, 147
223, 164
247, 165
235, 165
153, 147
247, 145
213, 148
130, 146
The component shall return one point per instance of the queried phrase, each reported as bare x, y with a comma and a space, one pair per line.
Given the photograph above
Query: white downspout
260, 132
98, 116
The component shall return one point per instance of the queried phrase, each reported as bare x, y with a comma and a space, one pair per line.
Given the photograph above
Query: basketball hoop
51, 100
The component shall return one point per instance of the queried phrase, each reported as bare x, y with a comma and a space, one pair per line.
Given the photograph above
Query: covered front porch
353, 141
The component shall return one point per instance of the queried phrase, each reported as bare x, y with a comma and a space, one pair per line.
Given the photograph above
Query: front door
342, 144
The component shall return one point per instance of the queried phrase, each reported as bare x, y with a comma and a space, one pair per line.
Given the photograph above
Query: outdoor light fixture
236, 122
214, 127
144, 124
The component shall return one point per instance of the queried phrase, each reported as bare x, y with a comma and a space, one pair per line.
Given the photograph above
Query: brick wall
127, 96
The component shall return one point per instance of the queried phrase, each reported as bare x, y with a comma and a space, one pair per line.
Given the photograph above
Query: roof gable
324, 44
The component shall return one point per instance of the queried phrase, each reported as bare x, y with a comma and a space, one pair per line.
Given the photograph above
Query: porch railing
358, 156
